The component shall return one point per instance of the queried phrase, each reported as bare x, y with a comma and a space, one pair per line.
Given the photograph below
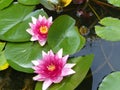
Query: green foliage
5, 3
47, 4
109, 29
3, 61
29, 2
114, 2
13, 26
71, 82
20, 55
63, 34
111, 82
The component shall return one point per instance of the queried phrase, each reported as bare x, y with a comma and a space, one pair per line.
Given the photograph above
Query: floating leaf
3, 62
2, 44
13, 26
109, 29
29, 2
111, 82
71, 82
5, 3
47, 4
20, 55
114, 2
63, 34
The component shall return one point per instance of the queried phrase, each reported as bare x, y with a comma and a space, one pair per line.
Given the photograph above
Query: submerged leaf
109, 29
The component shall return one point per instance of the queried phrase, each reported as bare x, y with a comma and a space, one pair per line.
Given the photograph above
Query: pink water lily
39, 29
52, 68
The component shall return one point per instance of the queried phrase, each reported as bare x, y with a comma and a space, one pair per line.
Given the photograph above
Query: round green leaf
109, 29
111, 82
71, 82
114, 2
3, 61
20, 55
13, 26
2, 45
5, 3
63, 34
29, 2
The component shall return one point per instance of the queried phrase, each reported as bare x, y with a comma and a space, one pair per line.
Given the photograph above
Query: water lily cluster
52, 67
32, 41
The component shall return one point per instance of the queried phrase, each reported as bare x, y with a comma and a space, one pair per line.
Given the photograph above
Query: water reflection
106, 59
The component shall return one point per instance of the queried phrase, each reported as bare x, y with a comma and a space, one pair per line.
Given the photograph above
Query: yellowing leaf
3, 62
4, 66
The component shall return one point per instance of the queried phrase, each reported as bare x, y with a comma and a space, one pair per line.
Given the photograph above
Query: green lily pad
47, 4
2, 45
63, 34
13, 26
109, 29
114, 2
29, 2
71, 82
3, 62
111, 82
20, 55
5, 3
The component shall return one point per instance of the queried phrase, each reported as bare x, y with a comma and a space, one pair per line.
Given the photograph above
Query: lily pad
114, 2
3, 62
29, 2
63, 34
109, 29
2, 44
20, 55
111, 82
5, 3
71, 82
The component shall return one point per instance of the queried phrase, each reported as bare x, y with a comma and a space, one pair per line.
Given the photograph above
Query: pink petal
44, 54
67, 71
65, 58
30, 31
38, 78
46, 84
40, 18
34, 20
42, 43
50, 53
34, 38
59, 53
59, 79
35, 62
68, 65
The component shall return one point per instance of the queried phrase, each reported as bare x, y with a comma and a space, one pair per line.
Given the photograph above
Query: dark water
107, 60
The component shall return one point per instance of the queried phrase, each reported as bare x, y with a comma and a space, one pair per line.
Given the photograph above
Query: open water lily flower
52, 68
39, 29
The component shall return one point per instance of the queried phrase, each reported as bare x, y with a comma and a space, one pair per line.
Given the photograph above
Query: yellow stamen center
51, 67
44, 29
